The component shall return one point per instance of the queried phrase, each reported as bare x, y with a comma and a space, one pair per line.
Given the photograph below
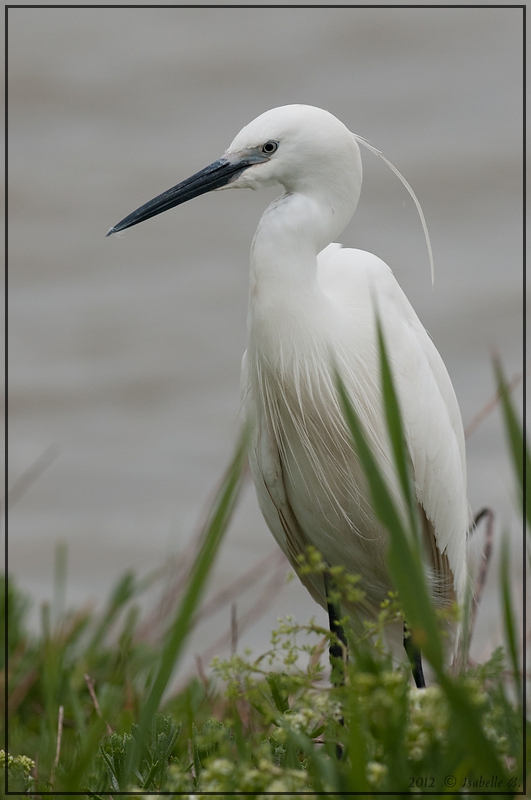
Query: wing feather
429, 407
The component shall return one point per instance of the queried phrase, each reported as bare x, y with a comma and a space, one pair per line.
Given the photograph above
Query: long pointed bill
216, 175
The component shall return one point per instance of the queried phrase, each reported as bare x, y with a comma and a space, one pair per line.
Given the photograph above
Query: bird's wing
430, 412
268, 477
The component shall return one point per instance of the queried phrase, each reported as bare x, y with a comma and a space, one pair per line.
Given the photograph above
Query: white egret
311, 308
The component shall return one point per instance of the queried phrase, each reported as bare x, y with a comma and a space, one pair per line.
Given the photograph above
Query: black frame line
524, 391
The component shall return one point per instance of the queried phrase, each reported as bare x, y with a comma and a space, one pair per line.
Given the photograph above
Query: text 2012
422, 783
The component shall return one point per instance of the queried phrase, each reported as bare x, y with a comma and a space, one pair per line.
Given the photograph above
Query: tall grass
89, 708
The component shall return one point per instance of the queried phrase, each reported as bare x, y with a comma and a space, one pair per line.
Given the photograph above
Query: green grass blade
59, 582
216, 526
323, 771
73, 779
519, 448
280, 698
403, 559
356, 745
509, 618
396, 433
122, 592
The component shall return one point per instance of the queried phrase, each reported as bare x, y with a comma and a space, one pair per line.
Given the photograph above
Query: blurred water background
125, 352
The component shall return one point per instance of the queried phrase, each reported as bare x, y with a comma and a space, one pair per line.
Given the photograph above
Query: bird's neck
285, 299
291, 232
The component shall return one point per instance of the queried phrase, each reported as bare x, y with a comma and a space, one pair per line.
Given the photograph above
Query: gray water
125, 352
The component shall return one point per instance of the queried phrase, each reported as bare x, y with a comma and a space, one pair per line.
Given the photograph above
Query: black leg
415, 659
337, 649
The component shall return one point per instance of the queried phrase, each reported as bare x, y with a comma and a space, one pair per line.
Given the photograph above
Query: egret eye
269, 147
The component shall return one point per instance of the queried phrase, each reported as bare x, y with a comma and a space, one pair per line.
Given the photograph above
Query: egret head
303, 148
297, 146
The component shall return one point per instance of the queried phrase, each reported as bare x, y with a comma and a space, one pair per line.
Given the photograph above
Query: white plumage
312, 308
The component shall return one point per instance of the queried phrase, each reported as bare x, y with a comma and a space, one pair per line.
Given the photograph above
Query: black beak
216, 175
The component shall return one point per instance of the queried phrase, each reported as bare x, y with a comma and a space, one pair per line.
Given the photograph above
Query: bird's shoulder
336, 257
352, 277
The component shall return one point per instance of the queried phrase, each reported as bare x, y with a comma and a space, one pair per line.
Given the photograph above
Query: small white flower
376, 772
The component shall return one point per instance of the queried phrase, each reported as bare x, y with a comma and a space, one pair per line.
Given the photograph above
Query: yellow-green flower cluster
345, 584
381, 697
18, 771
306, 718
428, 720
376, 773
221, 775
296, 650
